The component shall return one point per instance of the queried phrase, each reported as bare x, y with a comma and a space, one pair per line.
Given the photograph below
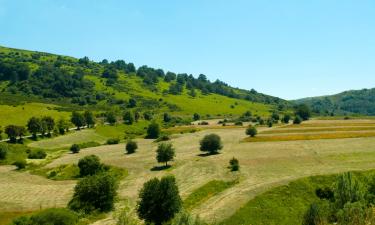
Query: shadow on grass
159, 168
208, 154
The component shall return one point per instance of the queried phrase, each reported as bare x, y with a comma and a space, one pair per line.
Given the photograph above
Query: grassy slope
126, 87
284, 204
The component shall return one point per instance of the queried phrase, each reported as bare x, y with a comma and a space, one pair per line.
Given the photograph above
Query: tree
148, 116
62, 126
131, 146
34, 126
286, 118
49, 124
234, 164
303, 111
159, 200
275, 116
78, 120
167, 118
89, 165
165, 153
297, 120
75, 148
128, 117
251, 131
211, 143
94, 193
110, 117
3, 151
153, 130
196, 117
89, 118
14, 131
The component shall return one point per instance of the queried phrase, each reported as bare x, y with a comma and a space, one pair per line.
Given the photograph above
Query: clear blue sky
290, 49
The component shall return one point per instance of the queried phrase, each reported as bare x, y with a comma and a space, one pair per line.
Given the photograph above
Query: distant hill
29, 76
346, 103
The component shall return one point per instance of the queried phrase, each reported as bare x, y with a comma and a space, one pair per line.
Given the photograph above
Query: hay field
263, 165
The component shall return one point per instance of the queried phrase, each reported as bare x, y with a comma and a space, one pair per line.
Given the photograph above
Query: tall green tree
165, 153
89, 118
78, 120
49, 124
159, 200
128, 118
34, 126
110, 118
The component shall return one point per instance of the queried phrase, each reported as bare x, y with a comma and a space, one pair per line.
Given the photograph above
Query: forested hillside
346, 103
42, 77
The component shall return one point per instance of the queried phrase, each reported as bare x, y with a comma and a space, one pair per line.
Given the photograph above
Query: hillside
72, 84
346, 103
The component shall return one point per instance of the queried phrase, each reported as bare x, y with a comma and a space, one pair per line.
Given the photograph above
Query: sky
290, 49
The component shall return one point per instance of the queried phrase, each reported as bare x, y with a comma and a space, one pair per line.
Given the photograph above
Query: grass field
20, 114
264, 165
64, 141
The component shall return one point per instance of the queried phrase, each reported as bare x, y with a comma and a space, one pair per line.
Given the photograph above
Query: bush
203, 123
153, 131
94, 193
297, 120
75, 148
37, 154
113, 141
20, 164
55, 216
313, 216
286, 118
159, 200
234, 164
89, 165
324, 193
3, 151
163, 138
238, 123
131, 146
251, 131
211, 143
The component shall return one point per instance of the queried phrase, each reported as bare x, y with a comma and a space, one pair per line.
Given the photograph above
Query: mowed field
264, 164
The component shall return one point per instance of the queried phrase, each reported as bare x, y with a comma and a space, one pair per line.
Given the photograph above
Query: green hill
65, 83
360, 102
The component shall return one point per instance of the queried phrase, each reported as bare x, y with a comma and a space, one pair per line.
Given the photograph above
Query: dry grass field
263, 166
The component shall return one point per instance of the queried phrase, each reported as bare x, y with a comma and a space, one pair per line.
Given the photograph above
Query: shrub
56, 216
163, 138
313, 216
153, 131
113, 141
94, 193
165, 153
251, 131
131, 146
324, 193
196, 117
159, 200
234, 164
75, 148
20, 164
238, 123
3, 151
297, 120
37, 154
303, 111
203, 123
211, 143
89, 165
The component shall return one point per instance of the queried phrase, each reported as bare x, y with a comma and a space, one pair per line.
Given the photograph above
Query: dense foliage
159, 200
211, 143
56, 216
348, 102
